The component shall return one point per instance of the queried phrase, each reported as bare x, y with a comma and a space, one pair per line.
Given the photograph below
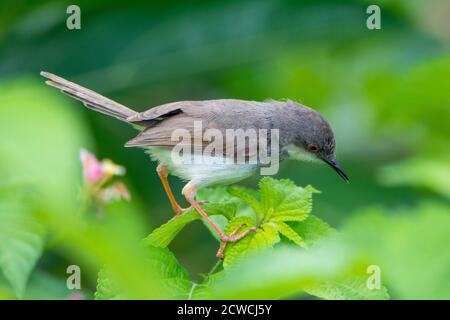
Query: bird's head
314, 141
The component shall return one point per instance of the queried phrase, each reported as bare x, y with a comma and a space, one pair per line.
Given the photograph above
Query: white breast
206, 170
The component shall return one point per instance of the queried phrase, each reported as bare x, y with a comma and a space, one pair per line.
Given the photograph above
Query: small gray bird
303, 135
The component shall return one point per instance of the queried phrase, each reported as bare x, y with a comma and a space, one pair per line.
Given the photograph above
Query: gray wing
211, 114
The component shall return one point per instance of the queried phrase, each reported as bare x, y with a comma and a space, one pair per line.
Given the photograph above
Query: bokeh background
385, 92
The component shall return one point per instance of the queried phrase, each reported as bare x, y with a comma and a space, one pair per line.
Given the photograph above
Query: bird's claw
233, 237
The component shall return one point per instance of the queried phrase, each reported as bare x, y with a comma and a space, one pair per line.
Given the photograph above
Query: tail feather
89, 98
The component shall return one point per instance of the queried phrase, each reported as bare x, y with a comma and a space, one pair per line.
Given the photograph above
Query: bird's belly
205, 170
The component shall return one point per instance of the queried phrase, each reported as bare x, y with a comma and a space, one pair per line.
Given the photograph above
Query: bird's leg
189, 191
234, 237
162, 173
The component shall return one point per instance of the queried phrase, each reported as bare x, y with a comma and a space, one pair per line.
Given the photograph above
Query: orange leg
162, 173
189, 192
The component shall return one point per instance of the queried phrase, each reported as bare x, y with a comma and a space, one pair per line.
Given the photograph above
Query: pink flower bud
92, 168
115, 192
76, 296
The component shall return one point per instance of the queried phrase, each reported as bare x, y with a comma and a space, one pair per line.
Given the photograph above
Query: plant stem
213, 269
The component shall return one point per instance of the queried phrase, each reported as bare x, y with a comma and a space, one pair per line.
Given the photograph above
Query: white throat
299, 153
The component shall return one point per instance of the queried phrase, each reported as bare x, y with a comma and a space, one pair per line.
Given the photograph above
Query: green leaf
350, 288
241, 220
42, 149
215, 195
175, 277
219, 211
203, 290
218, 202
162, 236
250, 197
312, 229
282, 200
280, 272
46, 286
166, 267
404, 243
289, 233
107, 289
264, 237
226, 209
21, 243
432, 174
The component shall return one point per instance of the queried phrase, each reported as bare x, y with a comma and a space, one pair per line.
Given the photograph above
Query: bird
302, 134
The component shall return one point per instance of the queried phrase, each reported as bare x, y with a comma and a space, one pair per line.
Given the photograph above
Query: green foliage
390, 117
46, 286
264, 237
21, 240
287, 271
162, 236
279, 208
106, 287
432, 174
413, 241
352, 288
40, 142
175, 278
278, 202
37, 171
312, 229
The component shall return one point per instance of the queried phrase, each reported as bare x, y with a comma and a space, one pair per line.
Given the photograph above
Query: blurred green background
385, 93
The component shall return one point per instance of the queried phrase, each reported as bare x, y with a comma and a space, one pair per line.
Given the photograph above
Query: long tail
90, 99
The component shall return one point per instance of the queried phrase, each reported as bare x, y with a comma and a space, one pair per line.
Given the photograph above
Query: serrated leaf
170, 271
248, 196
213, 206
312, 229
163, 235
21, 244
107, 289
289, 233
285, 218
226, 209
262, 238
285, 200
352, 288
242, 220
280, 201
215, 194
218, 202
281, 272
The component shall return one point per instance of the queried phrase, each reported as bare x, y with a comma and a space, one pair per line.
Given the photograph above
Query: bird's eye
312, 148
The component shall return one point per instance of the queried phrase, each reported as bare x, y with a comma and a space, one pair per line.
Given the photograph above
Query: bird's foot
179, 210
233, 237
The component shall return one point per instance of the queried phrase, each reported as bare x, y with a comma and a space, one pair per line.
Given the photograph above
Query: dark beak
335, 165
